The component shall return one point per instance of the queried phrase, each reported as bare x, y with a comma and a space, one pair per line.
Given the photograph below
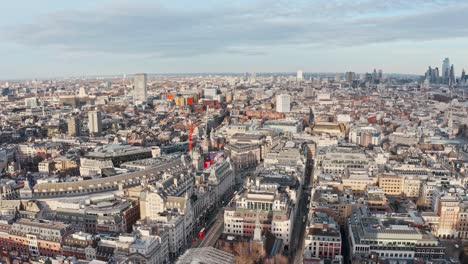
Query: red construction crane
190, 128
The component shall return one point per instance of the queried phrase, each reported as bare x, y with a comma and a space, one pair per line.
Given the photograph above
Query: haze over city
234, 132
75, 38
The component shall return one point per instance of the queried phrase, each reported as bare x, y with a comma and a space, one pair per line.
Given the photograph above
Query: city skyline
58, 39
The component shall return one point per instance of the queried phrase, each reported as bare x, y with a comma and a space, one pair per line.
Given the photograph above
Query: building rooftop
206, 255
43, 224
112, 150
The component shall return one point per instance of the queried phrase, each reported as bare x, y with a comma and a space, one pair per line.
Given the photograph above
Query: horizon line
192, 73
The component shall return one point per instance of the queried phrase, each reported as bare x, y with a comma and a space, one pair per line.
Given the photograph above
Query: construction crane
190, 127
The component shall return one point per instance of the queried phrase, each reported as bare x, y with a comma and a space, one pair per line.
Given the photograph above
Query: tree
246, 254
278, 259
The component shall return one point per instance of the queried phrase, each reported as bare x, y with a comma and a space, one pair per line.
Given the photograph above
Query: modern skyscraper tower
429, 73
139, 92
436, 74
463, 77
374, 75
452, 79
36, 91
446, 70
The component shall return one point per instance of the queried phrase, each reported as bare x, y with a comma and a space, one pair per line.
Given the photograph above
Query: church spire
206, 119
258, 230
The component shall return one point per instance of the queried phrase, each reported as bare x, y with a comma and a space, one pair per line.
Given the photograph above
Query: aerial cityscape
114, 150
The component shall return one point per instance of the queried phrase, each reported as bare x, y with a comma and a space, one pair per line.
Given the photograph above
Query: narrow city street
300, 223
297, 243
451, 251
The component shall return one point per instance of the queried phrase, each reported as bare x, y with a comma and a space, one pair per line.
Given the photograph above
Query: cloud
248, 29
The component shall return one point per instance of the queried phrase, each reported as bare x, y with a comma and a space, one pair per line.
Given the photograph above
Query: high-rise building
374, 75
140, 93
463, 78
283, 103
253, 77
94, 123
246, 77
428, 74
74, 126
446, 70
447, 208
299, 76
350, 76
432, 75
452, 76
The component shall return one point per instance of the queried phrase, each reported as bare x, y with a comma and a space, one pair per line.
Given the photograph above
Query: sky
57, 38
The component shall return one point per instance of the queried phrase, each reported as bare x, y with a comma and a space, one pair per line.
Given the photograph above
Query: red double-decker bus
201, 234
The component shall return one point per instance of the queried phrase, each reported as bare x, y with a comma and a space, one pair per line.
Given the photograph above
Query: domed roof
452, 154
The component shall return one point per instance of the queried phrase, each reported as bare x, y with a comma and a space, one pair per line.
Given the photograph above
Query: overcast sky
51, 38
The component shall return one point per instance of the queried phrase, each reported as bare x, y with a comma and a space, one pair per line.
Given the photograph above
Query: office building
35, 237
283, 103
365, 135
140, 89
79, 245
462, 223
285, 125
446, 70
143, 247
108, 216
95, 123
308, 92
323, 238
244, 155
370, 235
350, 77
119, 154
31, 102
73, 126
447, 209
452, 79
261, 202
210, 93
